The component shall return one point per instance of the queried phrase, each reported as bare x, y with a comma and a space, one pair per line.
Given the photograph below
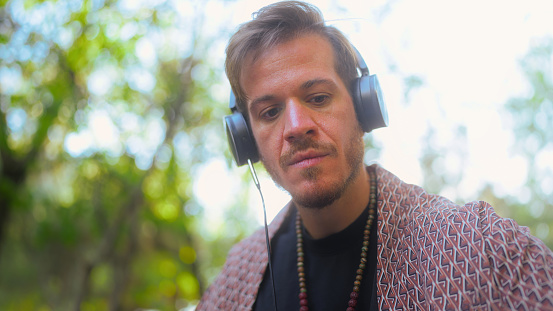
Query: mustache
305, 144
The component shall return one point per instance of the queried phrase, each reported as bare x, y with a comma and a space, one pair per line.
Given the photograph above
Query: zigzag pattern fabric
432, 255
436, 255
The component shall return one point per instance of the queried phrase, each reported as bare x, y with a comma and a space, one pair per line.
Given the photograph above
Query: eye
271, 113
319, 100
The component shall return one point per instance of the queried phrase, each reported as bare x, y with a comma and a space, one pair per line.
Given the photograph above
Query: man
354, 237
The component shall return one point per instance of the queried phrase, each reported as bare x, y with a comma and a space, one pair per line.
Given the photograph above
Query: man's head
292, 82
276, 24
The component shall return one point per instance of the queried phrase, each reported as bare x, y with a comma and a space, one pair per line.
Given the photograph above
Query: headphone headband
361, 63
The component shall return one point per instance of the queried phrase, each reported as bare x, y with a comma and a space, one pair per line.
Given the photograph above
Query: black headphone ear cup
369, 103
240, 140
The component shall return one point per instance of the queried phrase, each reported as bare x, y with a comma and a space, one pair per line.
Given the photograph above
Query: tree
103, 117
531, 118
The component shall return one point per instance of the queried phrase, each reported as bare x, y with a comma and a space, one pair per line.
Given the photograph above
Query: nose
298, 121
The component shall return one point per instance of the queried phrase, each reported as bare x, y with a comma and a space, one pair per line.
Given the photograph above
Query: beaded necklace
352, 303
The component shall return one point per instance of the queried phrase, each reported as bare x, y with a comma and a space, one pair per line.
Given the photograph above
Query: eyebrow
310, 83
261, 99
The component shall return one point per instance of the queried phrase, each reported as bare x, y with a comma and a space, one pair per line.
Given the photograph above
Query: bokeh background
117, 189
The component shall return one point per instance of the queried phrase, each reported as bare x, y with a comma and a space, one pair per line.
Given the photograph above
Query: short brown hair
278, 23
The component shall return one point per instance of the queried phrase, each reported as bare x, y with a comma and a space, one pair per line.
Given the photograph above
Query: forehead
287, 64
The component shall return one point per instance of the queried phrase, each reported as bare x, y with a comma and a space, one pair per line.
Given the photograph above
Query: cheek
342, 126
268, 143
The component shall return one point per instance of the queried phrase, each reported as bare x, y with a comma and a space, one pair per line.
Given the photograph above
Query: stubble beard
326, 194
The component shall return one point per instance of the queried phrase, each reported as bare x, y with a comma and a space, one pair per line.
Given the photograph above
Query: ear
368, 99
239, 135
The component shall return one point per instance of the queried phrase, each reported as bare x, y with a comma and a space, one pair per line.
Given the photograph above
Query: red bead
303, 302
303, 296
350, 309
352, 303
304, 308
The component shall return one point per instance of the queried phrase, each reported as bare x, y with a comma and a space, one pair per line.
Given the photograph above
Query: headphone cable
256, 181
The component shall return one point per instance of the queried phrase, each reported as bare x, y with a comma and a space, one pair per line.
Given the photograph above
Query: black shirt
331, 264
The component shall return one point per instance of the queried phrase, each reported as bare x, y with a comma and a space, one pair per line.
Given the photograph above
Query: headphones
367, 99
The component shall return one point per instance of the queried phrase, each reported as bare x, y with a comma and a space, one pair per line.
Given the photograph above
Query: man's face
303, 120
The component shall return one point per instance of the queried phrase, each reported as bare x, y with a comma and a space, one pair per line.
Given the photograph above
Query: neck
341, 213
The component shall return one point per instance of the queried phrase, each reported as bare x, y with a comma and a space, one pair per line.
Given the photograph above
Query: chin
319, 186
318, 196
317, 200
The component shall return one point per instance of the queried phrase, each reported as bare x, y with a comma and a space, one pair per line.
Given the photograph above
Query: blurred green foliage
106, 108
531, 120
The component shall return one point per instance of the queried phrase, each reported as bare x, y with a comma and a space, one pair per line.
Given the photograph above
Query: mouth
307, 158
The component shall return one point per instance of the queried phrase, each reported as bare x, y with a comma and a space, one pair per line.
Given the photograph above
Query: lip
307, 158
